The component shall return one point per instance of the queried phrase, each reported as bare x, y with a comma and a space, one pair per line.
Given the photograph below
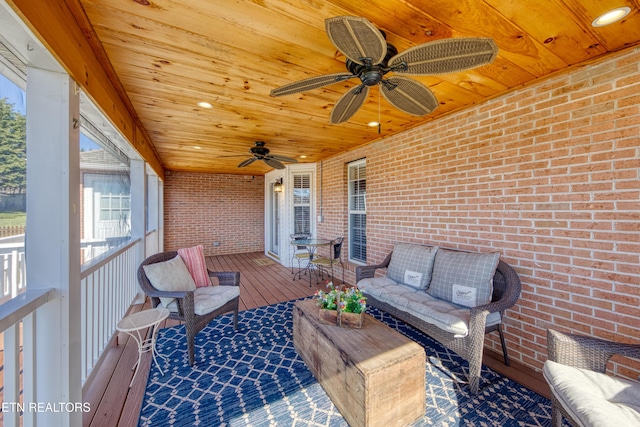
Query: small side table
135, 323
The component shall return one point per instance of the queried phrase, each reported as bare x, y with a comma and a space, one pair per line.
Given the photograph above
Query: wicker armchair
185, 300
506, 291
587, 353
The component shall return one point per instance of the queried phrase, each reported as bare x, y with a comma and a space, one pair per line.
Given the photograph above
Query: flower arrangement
327, 300
353, 301
350, 301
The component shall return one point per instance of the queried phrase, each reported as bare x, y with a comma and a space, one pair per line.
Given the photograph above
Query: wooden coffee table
375, 376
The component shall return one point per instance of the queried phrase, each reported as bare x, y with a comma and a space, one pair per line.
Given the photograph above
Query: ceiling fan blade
273, 163
445, 56
409, 95
282, 158
311, 83
356, 38
247, 162
348, 104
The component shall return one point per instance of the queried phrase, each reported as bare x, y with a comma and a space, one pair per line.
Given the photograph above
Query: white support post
152, 206
138, 214
53, 241
160, 202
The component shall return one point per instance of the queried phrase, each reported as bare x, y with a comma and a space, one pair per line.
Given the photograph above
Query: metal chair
323, 263
300, 252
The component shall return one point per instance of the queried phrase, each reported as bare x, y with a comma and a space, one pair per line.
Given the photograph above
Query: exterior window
358, 211
302, 204
106, 195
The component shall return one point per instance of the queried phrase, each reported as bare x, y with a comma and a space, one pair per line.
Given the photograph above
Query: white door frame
286, 216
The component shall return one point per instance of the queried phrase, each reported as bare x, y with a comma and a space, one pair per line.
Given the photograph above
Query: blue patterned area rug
254, 377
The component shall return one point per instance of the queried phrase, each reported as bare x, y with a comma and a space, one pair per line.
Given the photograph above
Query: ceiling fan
260, 152
370, 58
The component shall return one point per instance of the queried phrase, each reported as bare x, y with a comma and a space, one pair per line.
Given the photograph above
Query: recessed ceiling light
204, 104
611, 16
303, 156
372, 124
196, 147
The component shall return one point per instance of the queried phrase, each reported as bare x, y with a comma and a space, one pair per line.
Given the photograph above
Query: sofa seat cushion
412, 264
593, 398
210, 298
445, 315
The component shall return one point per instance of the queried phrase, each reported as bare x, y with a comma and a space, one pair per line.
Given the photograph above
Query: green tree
13, 149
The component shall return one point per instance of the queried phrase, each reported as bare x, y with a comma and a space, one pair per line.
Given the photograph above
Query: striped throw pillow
197, 266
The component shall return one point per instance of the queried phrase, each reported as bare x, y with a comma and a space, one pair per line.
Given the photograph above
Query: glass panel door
274, 222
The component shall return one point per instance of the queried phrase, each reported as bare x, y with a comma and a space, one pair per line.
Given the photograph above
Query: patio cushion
205, 300
464, 278
412, 265
593, 398
196, 264
445, 315
171, 275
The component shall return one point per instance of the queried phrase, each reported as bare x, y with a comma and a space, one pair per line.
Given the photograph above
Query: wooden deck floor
113, 403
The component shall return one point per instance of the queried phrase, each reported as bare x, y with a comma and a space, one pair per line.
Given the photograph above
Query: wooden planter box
375, 376
328, 317
351, 320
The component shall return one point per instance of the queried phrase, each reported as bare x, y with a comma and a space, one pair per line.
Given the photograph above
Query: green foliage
13, 219
13, 149
353, 301
327, 300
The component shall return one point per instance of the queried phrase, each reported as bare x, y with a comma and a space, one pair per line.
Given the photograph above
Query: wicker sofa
426, 286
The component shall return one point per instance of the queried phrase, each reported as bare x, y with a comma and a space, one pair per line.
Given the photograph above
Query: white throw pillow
171, 275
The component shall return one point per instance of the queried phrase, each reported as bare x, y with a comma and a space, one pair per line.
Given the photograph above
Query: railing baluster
29, 349
14, 273
11, 373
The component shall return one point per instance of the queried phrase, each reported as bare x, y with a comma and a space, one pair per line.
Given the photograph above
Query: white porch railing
20, 345
109, 286
14, 271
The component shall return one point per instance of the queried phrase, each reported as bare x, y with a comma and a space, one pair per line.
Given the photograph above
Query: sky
14, 95
18, 98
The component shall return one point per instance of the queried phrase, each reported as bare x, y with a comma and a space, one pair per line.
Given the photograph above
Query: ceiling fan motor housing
371, 74
259, 149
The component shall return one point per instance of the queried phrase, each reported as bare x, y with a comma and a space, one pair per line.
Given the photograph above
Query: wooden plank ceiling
170, 54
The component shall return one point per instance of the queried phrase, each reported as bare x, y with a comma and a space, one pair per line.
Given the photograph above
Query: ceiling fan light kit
370, 58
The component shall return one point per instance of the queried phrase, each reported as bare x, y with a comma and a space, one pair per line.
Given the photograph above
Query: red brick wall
201, 208
547, 175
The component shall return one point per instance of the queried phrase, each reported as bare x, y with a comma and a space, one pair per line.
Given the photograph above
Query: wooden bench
374, 375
